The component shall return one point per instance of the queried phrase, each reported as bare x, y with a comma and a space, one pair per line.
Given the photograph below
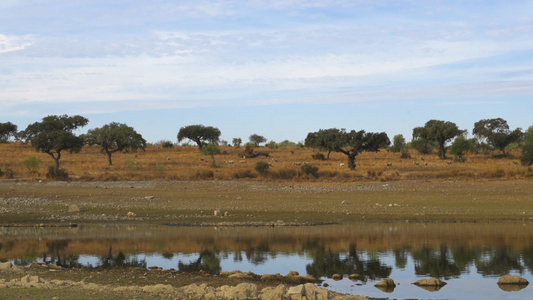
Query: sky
280, 69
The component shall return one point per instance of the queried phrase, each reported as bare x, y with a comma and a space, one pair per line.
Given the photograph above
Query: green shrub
405, 154
262, 167
284, 174
32, 164
132, 165
527, 154
60, 174
308, 169
167, 144
159, 168
244, 174
205, 174
318, 156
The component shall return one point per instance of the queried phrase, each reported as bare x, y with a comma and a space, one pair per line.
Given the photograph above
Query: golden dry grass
187, 163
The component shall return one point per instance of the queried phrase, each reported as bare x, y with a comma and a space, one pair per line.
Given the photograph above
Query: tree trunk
56, 159
442, 151
503, 152
351, 162
329, 152
213, 158
109, 158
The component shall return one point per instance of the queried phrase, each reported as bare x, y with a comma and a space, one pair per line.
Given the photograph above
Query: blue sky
280, 69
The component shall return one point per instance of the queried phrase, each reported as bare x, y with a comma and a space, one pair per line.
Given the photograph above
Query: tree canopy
7, 130
438, 131
257, 139
199, 134
497, 133
348, 143
54, 134
115, 137
527, 148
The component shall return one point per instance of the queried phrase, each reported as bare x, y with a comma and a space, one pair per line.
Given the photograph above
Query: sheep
426, 163
515, 162
242, 161
168, 158
422, 159
229, 162
341, 164
389, 164
274, 160
449, 162
416, 163
297, 163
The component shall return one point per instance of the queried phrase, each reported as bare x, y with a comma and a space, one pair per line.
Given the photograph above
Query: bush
284, 174
205, 174
262, 167
31, 163
244, 174
527, 154
308, 169
405, 154
318, 156
60, 174
166, 144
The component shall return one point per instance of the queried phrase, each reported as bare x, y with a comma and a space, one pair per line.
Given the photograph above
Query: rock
278, 292
130, 214
217, 212
298, 290
345, 202
336, 277
512, 279
149, 197
270, 277
30, 281
241, 291
292, 273
314, 292
354, 276
386, 283
5, 266
226, 214
74, 208
430, 282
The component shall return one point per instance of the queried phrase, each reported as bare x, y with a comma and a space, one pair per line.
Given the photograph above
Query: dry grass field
188, 163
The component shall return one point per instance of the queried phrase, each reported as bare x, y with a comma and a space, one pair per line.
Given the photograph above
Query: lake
470, 257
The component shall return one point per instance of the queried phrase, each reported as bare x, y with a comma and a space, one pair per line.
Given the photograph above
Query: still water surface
469, 257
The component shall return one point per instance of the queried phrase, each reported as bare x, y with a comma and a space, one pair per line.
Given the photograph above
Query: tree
7, 130
497, 133
211, 149
54, 134
237, 142
527, 148
351, 143
115, 137
324, 140
398, 143
257, 139
439, 132
199, 134
459, 146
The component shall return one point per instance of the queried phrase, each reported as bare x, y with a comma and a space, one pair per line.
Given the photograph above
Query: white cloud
13, 43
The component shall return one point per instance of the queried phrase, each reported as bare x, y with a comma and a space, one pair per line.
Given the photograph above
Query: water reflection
373, 251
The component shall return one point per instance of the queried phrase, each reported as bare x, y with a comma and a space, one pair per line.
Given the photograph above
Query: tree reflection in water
120, 260
499, 261
435, 263
326, 263
207, 261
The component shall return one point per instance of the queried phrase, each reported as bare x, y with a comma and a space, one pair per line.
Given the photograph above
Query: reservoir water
470, 257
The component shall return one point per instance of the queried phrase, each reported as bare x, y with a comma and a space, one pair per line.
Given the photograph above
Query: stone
386, 283
149, 197
217, 212
336, 277
242, 291
278, 292
314, 292
158, 288
430, 282
354, 277
5, 266
74, 208
296, 290
512, 279
130, 214
293, 273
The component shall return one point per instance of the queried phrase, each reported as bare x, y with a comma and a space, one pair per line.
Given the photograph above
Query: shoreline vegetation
179, 187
